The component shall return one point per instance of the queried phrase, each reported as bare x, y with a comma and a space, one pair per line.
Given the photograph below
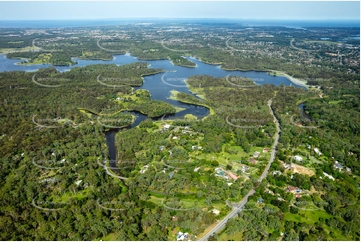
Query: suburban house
265, 150
318, 152
276, 173
196, 169
297, 158
216, 211
145, 168
329, 176
245, 168
182, 236
253, 161
256, 154
166, 126
293, 189
338, 166
287, 166
231, 175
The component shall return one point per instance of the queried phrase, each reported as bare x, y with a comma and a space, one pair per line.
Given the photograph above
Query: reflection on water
303, 113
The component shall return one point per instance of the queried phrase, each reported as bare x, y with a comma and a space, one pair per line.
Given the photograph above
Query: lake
159, 85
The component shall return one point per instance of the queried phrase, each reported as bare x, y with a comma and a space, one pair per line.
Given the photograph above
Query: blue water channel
161, 84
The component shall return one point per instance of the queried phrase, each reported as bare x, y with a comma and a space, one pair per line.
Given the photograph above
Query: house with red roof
231, 175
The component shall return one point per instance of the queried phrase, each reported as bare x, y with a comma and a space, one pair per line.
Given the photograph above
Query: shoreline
173, 96
279, 73
296, 81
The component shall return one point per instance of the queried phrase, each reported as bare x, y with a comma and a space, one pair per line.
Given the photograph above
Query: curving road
304, 127
165, 47
300, 49
34, 46
232, 48
275, 143
110, 173
239, 207
101, 47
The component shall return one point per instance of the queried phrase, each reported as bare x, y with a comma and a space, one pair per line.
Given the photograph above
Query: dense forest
48, 143
179, 174
64, 185
41, 159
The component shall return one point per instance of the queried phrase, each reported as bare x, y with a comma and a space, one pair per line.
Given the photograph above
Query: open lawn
237, 236
41, 59
309, 217
275, 73
79, 195
187, 203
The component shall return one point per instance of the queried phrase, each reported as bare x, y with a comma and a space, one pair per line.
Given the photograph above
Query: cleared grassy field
41, 59
186, 203
237, 236
67, 196
309, 217
25, 49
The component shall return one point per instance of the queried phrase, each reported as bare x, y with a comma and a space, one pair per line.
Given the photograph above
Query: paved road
111, 174
304, 127
276, 137
101, 47
238, 208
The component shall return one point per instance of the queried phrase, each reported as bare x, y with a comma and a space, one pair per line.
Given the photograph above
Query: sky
306, 10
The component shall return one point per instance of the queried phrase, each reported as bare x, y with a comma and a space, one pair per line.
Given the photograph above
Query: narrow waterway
303, 113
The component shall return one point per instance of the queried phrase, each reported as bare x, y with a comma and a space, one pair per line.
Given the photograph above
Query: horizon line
183, 18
